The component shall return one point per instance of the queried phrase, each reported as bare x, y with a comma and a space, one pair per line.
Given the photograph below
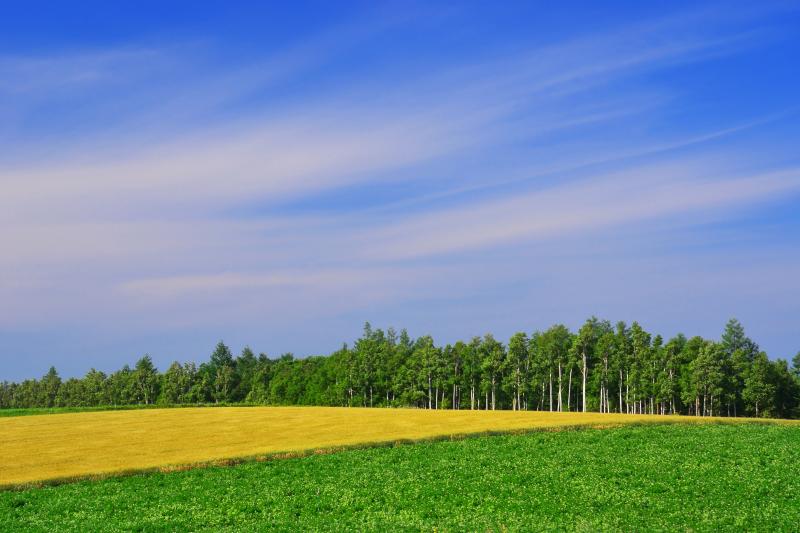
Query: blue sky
276, 174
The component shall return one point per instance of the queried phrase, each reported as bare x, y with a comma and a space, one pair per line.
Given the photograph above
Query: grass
70, 446
713, 477
28, 411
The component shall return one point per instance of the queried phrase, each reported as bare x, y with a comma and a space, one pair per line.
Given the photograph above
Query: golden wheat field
73, 445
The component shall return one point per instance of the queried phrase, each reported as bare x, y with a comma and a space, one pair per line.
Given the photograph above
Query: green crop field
665, 477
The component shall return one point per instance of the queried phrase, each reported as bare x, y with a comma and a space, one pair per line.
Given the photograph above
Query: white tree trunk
569, 390
560, 403
584, 382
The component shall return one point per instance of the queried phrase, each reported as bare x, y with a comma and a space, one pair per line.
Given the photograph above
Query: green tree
599, 368
145, 380
262, 374
638, 362
734, 339
707, 377
516, 371
455, 358
96, 387
669, 383
540, 371
221, 356
224, 384
121, 387
556, 343
604, 350
620, 362
472, 371
493, 357
787, 389
71, 393
369, 350
221, 373
48, 388
758, 391
177, 384
245, 368
584, 349
426, 353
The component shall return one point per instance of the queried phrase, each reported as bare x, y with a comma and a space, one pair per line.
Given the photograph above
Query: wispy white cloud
643, 194
45, 77
340, 140
138, 227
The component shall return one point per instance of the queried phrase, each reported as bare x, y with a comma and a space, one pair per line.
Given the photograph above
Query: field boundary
310, 452
12, 412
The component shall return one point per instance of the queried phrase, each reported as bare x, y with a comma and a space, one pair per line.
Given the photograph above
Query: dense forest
603, 367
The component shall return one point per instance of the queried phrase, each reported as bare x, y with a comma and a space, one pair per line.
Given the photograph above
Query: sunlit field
677, 477
74, 445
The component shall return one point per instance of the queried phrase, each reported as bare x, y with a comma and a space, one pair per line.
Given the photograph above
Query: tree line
601, 367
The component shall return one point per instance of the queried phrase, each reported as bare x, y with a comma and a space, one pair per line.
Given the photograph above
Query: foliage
622, 369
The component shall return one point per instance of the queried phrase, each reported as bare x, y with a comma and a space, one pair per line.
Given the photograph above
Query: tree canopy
601, 367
